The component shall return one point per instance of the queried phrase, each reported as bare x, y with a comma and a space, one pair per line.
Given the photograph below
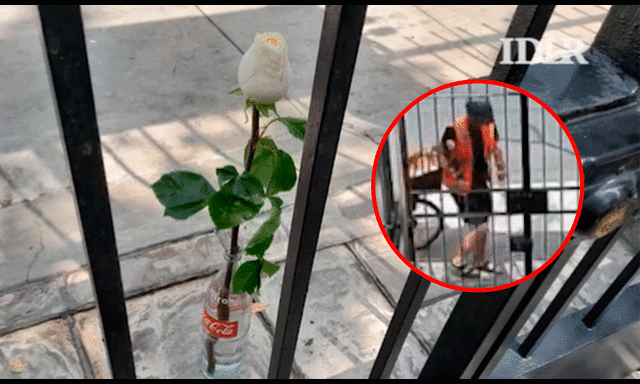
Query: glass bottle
226, 318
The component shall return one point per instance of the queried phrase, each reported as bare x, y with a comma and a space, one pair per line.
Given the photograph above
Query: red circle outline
384, 140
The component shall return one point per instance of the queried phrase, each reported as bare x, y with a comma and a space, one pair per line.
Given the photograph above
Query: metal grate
533, 207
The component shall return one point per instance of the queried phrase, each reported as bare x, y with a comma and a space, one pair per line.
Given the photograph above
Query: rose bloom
263, 73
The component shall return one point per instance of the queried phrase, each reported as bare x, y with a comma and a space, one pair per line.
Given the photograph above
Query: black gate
471, 345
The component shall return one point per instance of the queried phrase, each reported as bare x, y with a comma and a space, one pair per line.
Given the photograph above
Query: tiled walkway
160, 76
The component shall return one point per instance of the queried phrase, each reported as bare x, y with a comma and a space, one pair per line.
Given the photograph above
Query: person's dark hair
479, 110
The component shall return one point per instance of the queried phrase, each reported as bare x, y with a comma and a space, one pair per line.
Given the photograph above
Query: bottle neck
229, 267
229, 257
231, 262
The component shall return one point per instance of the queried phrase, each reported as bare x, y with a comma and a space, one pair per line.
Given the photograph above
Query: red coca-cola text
219, 328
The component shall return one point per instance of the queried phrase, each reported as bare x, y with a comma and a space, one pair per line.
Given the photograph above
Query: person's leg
476, 240
479, 241
458, 257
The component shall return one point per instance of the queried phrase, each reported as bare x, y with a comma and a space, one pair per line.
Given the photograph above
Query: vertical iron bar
460, 213
507, 161
610, 294
408, 305
561, 155
64, 43
527, 21
426, 213
493, 217
526, 180
340, 38
470, 95
408, 250
472, 321
570, 288
387, 197
544, 184
441, 195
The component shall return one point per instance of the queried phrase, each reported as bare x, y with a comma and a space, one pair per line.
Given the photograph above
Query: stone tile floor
160, 74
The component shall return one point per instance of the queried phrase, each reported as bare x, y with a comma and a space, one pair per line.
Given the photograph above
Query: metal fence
541, 189
470, 345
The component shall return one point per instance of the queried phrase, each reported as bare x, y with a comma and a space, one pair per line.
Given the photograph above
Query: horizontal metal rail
484, 214
497, 189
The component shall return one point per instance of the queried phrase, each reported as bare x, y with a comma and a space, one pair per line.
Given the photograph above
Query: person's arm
499, 163
496, 154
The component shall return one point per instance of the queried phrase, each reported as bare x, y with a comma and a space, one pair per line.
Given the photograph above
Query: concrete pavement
160, 76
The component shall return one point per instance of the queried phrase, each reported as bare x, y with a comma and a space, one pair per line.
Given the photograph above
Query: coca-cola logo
219, 328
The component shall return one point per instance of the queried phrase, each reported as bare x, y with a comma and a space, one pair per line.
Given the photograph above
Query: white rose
263, 73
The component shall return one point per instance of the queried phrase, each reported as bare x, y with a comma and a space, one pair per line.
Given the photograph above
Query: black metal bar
405, 212
517, 194
618, 37
70, 78
612, 292
526, 180
501, 314
484, 214
472, 322
339, 42
386, 195
406, 310
570, 288
572, 351
489, 357
527, 21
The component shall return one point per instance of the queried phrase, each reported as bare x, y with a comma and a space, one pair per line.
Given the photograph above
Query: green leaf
273, 167
236, 91
182, 193
248, 188
267, 142
261, 240
284, 174
264, 109
184, 211
259, 248
295, 125
226, 173
237, 201
269, 268
262, 165
247, 277
228, 211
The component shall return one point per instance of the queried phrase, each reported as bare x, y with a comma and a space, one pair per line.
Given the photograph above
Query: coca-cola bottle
226, 318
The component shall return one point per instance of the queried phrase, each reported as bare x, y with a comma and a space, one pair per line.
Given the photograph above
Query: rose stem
223, 308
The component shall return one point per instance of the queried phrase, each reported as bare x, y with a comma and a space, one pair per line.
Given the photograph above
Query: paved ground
160, 76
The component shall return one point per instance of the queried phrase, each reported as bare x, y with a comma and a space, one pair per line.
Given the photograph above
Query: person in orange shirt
468, 146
